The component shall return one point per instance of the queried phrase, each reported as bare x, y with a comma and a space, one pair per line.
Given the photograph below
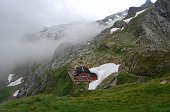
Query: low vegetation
5, 93
125, 77
152, 96
60, 84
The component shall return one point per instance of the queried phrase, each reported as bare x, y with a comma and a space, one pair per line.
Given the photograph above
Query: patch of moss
137, 97
5, 93
101, 50
149, 63
79, 89
125, 77
59, 82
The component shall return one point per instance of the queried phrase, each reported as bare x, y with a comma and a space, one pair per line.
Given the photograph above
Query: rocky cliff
132, 10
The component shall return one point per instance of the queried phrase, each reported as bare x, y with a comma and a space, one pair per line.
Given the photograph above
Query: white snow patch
122, 28
16, 93
110, 20
137, 13
17, 82
113, 30
128, 20
10, 77
102, 72
117, 16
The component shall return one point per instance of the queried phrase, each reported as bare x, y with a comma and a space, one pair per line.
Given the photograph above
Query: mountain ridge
140, 46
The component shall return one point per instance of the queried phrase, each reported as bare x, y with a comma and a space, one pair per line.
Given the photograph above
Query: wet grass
135, 97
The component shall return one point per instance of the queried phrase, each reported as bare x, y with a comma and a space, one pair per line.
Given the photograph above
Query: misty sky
21, 17
32, 14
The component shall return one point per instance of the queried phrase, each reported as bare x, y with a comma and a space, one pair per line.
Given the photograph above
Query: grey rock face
55, 32
147, 4
114, 16
155, 27
66, 52
34, 82
132, 10
66, 49
163, 8
119, 24
153, 38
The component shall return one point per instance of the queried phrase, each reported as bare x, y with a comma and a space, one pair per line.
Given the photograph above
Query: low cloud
20, 18
18, 50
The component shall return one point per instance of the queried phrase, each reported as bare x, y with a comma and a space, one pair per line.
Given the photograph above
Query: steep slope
142, 49
136, 47
5, 93
147, 4
132, 10
35, 75
151, 36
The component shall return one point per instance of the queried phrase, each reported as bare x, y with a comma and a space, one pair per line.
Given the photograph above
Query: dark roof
93, 74
84, 69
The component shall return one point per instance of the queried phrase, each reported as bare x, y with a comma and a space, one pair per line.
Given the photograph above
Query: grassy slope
5, 93
59, 82
134, 97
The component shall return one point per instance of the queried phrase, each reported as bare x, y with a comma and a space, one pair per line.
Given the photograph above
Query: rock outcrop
114, 16
153, 38
119, 24
147, 4
132, 10
154, 30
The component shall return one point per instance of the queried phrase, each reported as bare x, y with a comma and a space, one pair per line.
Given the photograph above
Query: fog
17, 48
22, 19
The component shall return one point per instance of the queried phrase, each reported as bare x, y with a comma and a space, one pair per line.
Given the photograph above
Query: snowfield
17, 82
102, 72
16, 93
113, 30
117, 16
128, 20
10, 77
124, 14
110, 22
137, 13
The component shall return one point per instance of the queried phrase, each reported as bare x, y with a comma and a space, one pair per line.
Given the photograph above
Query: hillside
135, 97
140, 44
